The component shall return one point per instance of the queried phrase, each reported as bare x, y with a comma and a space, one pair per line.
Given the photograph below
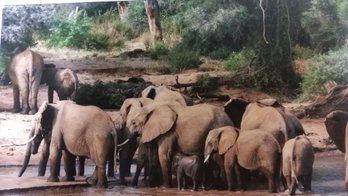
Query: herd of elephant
170, 134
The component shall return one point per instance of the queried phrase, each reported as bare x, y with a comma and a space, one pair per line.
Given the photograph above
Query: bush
137, 18
302, 52
324, 68
206, 84
220, 53
108, 95
180, 58
239, 60
158, 50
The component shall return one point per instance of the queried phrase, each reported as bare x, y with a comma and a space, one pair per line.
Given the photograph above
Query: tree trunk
122, 7
153, 16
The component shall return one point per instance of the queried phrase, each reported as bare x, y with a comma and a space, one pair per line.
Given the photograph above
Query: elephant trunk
27, 155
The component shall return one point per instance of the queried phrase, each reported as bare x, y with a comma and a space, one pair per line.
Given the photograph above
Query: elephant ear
127, 105
228, 138
39, 117
149, 92
336, 127
160, 120
235, 109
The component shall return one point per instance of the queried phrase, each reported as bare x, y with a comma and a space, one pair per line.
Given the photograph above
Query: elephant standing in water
175, 128
85, 131
265, 115
25, 71
63, 81
336, 127
298, 159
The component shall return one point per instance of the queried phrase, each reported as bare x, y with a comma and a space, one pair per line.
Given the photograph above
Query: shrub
206, 84
220, 53
240, 59
108, 95
137, 18
181, 58
158, 50
302, 52
324, 68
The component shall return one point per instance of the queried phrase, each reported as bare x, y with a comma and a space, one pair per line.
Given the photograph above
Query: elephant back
336, 127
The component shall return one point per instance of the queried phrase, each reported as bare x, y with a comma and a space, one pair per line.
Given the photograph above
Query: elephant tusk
31, 139
123, 143
207, 158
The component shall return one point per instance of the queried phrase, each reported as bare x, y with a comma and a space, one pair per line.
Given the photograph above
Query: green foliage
300, 52
157, 50
206, 84
238, 60
181, 58
136, 18
220, 53
108, 95
324, 68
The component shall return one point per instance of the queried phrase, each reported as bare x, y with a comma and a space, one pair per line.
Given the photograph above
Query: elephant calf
298, 158
63, 81
188, 166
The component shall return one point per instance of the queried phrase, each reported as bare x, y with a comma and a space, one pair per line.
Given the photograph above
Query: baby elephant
298, 158
188, 166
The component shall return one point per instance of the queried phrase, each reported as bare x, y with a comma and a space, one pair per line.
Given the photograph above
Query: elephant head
151, 121
163, 93
41, 129
219, 140
336, 125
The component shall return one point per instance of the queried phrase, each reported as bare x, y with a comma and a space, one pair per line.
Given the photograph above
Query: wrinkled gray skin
298, 159
188, 166
25, 71
258, 150
336, 127
63, 81
175, 128
94, 137
218, 146
265, 115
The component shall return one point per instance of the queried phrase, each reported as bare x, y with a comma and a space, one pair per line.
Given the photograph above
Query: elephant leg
111, 164
16, 103
101, 176
69, 166
81, 166
272, 186
33, 93
92, 180
50, 94
229, 162
307, 182
178, 179
140, 166
164, 158
24, 93
45, 153
346, 176
55, 157
293, 186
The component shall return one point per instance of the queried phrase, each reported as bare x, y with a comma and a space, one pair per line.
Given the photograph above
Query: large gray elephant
85, 131
265, 115
163, 93
336, 127
64, 81
219, 142
25, 71
175, 128
297, 166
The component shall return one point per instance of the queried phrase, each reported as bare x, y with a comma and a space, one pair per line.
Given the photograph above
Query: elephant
188, 166
162, 93
220, 142
85, 131
63, 81
175, 128
336, 127
297, 165
265, 115
25, 71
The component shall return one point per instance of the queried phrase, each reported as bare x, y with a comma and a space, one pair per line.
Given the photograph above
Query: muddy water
328, 179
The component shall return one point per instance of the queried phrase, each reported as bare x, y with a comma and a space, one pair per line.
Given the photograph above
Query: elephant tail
292, 161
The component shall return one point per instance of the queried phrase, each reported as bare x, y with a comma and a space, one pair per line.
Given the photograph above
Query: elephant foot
123, 182
31, 112
16, 110
24, 111
112, 175
91, 181
53, 179
102, 185
134, 183
68, 178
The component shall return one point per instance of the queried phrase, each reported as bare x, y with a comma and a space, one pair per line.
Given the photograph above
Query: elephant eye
133, 122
